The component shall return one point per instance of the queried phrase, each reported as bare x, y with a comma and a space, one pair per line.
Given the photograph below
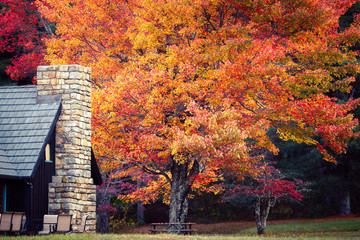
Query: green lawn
311, 227
339, 229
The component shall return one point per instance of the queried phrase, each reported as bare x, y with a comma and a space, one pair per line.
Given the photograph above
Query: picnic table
167, 227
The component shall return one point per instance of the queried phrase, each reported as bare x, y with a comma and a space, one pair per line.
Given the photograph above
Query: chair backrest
83, 223
5, 223
64, 223
49, 220
16, 222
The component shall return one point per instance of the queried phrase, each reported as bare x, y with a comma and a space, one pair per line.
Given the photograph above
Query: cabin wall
17, 196
32, 196
40, 183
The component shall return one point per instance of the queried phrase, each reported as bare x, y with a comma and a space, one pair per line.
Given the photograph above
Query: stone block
56, 179
75, 75
74, 86
68, 206
74, 95
76, 173
42, 82
42, 68
53, 82
74, 67
92, 197
90, 222
63, 74
54, 206
62, 83
49, 74
63, 68
53, 68
64, 179
60, 172
67, 195
39, 75
87, 174
65, 96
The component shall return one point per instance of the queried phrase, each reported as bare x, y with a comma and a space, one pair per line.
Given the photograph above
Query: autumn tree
265, 191
21, 33
185, 90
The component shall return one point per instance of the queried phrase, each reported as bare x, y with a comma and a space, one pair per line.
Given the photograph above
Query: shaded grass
309, 230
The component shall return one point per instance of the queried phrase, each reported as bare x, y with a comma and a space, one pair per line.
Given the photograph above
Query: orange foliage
201, 82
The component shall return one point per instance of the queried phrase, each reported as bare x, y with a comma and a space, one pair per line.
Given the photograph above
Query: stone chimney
72, 190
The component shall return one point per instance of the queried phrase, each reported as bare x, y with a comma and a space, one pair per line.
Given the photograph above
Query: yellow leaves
155, 189
179, 158
327, 157
175, 148
149, 37
294, 134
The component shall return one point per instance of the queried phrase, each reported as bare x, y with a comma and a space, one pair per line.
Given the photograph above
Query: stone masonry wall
72, 190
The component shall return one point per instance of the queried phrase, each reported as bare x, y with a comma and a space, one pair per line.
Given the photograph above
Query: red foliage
25, 66
276, 188
106, 207
269, 185
21, 34
112, 188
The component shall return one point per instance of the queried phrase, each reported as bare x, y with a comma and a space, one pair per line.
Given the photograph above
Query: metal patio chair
49, 224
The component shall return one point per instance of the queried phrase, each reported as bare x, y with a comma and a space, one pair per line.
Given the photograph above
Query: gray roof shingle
24, 128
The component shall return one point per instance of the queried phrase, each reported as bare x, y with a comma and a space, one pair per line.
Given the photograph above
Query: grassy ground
304, 229
198, 237
337, 226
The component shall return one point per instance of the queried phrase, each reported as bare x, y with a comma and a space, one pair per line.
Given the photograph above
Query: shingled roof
26, 122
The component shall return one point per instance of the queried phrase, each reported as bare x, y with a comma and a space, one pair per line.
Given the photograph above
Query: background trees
22, 30
333, 187
186, 91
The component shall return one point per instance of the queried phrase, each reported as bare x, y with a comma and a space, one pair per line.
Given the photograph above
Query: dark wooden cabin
27, 150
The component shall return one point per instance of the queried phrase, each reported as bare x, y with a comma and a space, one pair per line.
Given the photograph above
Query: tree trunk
180, 187
181, 182
262, 209
140, 210
102, 225
140, 214
103, 217
344, 202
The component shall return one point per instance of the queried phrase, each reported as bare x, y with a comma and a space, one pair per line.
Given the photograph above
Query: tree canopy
186, 91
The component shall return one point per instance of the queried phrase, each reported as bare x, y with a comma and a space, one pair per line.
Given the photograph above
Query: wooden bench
166, 227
